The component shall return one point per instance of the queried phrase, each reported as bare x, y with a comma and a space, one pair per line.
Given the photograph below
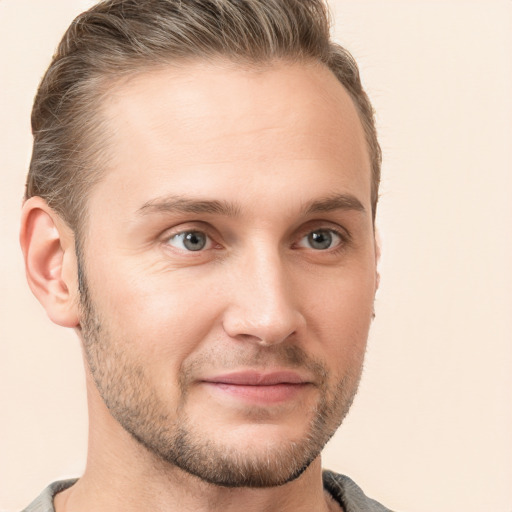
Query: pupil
194, 241
320, 239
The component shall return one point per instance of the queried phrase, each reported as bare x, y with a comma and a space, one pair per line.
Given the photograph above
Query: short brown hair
116, 38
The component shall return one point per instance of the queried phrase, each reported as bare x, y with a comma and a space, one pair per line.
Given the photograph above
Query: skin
282, 150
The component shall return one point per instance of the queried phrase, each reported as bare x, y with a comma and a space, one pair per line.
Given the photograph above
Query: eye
321, 240
190, 241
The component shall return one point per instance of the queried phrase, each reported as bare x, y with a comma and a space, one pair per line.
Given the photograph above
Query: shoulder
349, 495
44, 502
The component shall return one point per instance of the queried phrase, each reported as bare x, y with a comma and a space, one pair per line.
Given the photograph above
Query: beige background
431, 428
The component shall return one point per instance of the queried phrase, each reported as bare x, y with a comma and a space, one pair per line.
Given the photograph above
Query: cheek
161, 318
342, 315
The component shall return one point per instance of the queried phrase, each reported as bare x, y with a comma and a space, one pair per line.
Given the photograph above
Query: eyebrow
335, 202
180, 204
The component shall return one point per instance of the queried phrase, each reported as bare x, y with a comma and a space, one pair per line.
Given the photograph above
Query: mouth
259, 387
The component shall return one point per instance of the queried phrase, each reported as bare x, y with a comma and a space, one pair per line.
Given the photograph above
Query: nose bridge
262, 306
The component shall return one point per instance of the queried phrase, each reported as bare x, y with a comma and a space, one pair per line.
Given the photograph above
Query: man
200, 208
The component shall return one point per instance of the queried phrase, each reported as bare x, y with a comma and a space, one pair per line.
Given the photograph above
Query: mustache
222, 358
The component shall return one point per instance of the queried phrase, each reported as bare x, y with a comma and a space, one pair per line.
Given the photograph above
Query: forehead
210, 126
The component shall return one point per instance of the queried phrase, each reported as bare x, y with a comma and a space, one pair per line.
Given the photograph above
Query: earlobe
48, 247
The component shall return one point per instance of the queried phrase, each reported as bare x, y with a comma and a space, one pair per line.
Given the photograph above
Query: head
118, 39
200, 207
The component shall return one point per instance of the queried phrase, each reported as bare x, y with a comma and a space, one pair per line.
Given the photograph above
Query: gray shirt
346, 492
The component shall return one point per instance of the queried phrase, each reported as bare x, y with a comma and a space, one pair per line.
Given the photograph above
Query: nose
263, 307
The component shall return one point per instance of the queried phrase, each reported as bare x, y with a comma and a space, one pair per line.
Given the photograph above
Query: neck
137, 487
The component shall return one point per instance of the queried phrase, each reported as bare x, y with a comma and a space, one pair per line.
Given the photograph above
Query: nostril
262, 331
262, 308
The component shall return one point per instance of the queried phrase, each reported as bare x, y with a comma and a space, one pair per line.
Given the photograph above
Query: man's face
229, 263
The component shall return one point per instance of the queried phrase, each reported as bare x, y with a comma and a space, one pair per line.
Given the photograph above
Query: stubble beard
174, 439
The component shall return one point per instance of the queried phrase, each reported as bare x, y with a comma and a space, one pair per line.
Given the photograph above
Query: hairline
108, 83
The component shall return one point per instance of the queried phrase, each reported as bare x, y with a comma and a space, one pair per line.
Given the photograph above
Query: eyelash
185, 233
342, 236
343, 239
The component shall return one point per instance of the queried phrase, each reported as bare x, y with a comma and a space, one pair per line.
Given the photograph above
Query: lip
256, 378
263, 388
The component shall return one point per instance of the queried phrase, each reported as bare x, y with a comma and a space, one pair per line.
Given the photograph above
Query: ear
48, 247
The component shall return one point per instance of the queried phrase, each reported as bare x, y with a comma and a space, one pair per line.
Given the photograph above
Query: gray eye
321, 239
189, 240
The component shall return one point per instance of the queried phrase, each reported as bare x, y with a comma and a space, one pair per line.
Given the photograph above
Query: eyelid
319, 225
176, 236
343, 235
330, 230
190, 227
213, 236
